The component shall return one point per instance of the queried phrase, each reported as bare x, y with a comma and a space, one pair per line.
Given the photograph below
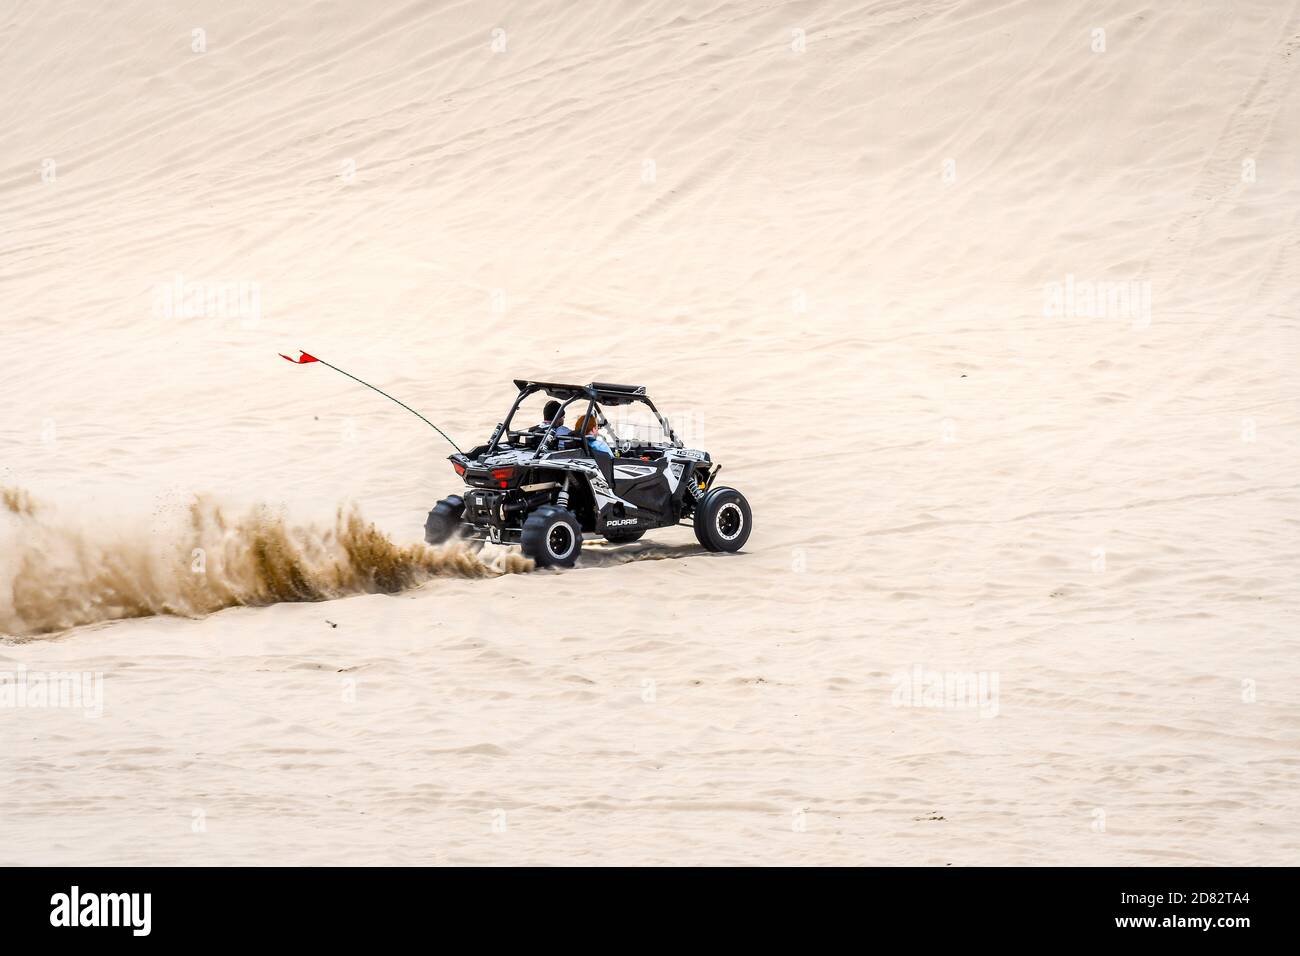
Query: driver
586, 427
552, 409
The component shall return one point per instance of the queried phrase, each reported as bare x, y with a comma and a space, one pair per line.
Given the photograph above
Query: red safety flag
304, 357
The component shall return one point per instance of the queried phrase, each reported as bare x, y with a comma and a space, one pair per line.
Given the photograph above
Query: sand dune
992, 317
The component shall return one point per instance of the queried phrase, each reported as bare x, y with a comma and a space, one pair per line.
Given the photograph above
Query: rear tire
552, 537
444, 520
723, 520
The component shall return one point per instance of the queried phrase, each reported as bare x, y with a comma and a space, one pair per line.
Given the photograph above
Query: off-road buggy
547, 489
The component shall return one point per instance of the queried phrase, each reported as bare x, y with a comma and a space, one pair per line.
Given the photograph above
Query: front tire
444, 520
723, 520
552, 537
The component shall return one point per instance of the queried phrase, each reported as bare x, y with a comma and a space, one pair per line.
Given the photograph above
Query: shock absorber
693, 488
697, 487
562, 499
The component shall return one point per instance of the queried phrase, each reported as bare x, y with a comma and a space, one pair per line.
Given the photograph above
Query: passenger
552, 409
586, 427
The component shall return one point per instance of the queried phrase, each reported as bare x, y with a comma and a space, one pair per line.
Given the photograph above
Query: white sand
860, 336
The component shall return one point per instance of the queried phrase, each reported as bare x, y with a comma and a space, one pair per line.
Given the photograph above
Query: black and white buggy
547, 489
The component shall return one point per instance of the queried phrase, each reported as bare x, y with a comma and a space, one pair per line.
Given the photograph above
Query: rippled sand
848, 247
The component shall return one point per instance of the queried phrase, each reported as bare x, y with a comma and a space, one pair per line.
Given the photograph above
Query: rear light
502, 476
460, 469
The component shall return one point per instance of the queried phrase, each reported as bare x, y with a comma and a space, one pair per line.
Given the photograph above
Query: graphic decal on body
633, 471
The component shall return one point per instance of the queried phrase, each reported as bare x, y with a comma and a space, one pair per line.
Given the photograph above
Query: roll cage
595, 395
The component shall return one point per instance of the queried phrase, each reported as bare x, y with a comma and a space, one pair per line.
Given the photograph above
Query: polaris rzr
548, 488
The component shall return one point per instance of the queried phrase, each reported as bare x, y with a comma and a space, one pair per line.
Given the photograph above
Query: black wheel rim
730, 520
559, 541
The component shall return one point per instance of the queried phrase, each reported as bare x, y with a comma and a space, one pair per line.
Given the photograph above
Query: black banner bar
1220, 907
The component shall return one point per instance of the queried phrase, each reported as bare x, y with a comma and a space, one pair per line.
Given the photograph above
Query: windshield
636, 425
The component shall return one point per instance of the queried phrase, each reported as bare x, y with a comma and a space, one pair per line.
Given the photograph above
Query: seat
604, 462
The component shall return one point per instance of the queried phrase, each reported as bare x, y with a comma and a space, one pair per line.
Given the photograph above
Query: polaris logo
620, 522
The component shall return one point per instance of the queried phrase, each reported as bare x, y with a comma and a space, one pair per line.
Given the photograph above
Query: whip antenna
304, 358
